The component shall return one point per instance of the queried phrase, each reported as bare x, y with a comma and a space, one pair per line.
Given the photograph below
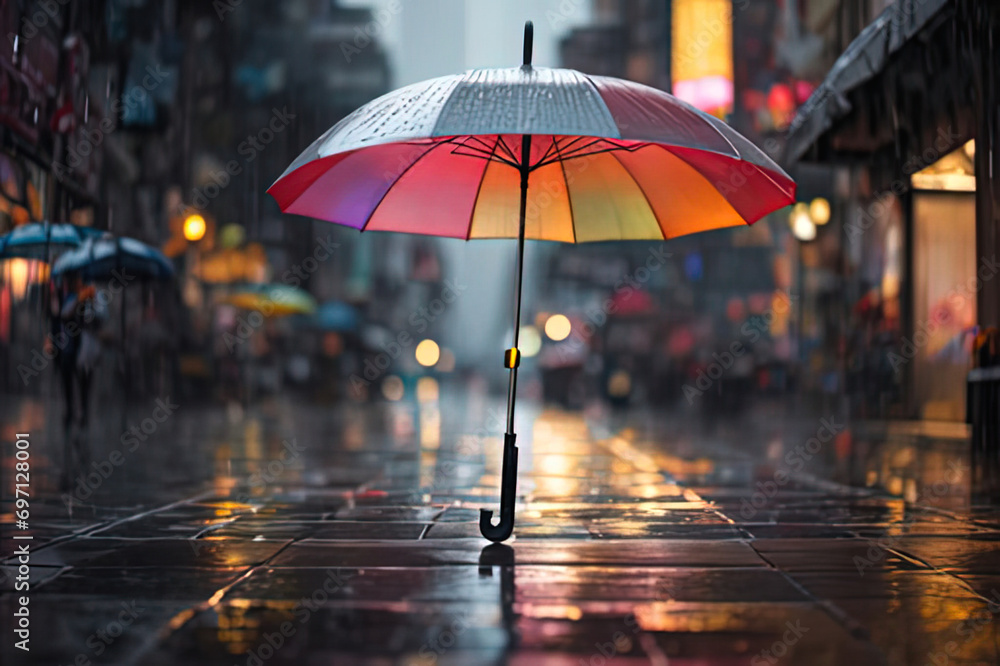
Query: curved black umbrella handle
508, 493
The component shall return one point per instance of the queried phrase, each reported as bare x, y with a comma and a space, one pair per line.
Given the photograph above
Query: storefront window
944, 301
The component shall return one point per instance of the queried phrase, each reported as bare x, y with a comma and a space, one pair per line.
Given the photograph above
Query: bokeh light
819, 211
427, 389
557, 327
529, 341
619, 384
447, 361
194, 227
428, 353
392, 388
802, 225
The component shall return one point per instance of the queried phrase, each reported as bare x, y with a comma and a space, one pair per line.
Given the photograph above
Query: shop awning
866, 56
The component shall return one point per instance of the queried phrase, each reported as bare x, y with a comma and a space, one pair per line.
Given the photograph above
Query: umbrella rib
548, 151
567, 148
467, 141
479, 188
736, 152
569, 198
718, 131
767, 174
659, 223
583, 152
508, 151
393, 183
477, 152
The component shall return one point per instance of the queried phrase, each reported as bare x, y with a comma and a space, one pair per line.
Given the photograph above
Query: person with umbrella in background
75, 345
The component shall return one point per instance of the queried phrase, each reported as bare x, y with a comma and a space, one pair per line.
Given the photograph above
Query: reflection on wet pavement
309, 536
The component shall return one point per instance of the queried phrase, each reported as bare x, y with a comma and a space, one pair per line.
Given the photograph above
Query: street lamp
194, 227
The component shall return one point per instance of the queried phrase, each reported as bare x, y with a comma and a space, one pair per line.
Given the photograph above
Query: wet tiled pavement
308, 536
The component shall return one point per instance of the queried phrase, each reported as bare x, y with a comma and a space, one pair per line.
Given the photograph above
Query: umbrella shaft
512, 386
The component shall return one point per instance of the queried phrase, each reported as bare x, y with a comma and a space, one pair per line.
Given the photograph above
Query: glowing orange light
194, 227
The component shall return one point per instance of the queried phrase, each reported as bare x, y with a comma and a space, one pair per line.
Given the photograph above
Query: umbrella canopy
608, 160
99, 258
272, 300
39, 240
529, 152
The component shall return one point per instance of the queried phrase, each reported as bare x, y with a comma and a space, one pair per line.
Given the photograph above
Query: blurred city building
906, 116
872, 299
712, 284
134, 116
880, 108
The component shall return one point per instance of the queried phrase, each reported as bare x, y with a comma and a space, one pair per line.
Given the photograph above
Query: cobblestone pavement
303, 535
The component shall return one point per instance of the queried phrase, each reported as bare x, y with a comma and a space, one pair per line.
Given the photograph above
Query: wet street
260, 263
300, 535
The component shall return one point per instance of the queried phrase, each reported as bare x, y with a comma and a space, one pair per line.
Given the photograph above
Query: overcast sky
436, 37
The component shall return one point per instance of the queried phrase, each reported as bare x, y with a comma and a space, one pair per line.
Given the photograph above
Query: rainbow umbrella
530, 152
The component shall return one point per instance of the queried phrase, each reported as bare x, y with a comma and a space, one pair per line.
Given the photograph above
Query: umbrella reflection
502, 556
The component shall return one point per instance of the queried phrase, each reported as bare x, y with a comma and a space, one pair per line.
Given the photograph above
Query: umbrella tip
529, 35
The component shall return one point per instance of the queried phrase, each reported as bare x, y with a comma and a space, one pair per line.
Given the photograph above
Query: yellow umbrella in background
271, 300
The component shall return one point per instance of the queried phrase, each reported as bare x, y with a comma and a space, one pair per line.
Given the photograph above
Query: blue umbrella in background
99, 258
109, 257
335, 316
38, 240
